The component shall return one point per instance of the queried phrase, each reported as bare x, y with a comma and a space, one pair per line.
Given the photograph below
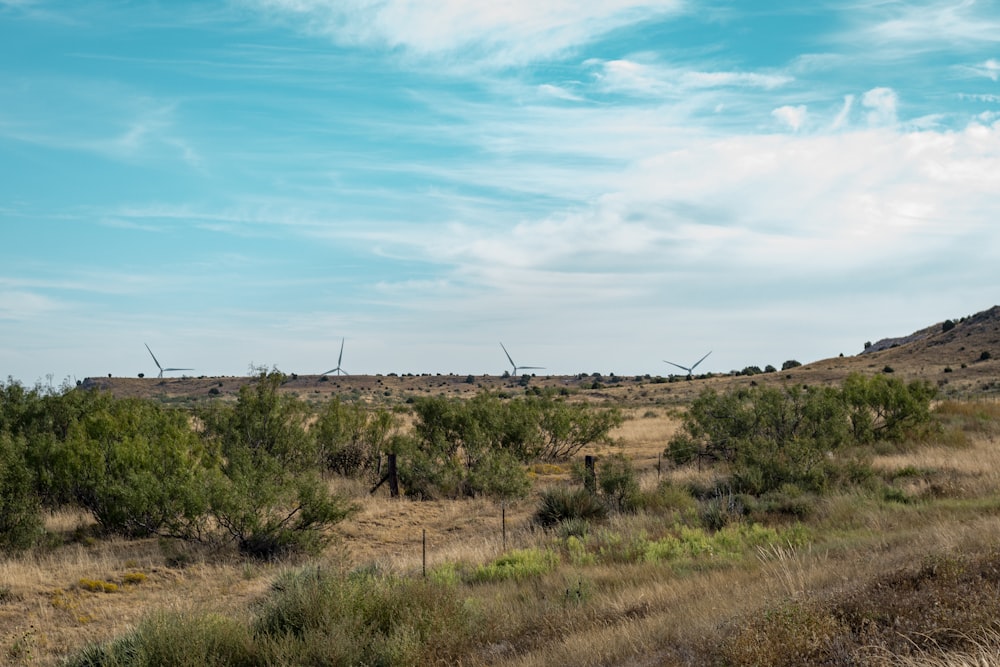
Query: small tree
350, 439
269, 499
618, 483
884, 408
569, 427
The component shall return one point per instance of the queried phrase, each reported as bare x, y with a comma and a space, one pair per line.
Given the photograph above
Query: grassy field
905, 576
901, 570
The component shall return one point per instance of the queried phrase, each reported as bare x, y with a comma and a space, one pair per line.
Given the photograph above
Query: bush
561, 504
351, 439
269, 515
456, 444
618, 483
882, 408
136, 466
20, 512
266, 498
771, 437
500, 476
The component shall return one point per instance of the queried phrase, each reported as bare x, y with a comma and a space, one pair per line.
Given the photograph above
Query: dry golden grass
90, 591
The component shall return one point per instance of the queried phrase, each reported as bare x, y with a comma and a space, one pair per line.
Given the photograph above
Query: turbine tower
162, 369
338, 370
685, 368
516, 367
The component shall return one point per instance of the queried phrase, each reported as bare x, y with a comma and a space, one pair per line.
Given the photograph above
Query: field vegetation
761, 524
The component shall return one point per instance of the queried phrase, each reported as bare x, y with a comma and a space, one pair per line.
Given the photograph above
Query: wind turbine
516, 367
693, 366
162, 369
338, 370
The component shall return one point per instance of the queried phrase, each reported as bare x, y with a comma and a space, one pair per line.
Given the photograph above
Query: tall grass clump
516, 565
310, 617
317, 617
561, 504
175, 639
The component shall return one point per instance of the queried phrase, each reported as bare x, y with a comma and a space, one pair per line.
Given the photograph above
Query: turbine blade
683, 368
154, 358
508, 357
341, 357
701, 360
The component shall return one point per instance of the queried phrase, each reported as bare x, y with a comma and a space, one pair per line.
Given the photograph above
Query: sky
600, 185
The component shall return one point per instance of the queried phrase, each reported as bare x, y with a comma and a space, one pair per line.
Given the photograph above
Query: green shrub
561, 504
267, 497
350, 438
618, 483
499, 476
20, 512
270, 515
795, 435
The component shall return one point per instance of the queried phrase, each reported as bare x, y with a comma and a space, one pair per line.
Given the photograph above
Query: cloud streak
496, 34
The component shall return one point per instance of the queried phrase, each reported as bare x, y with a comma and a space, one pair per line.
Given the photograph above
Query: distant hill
961, 357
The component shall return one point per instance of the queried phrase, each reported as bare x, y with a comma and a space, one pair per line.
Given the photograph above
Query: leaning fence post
423, 556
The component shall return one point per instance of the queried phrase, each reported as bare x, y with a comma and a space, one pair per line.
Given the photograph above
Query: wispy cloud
929, 25
120, 124
989, 68
498, 34
655, 79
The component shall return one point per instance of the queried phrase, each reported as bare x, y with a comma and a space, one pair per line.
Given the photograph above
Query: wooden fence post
393, 478
589, 476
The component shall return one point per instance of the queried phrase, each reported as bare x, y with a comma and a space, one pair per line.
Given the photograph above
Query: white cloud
657, 79
936, 24
816, 206
989, 68
558, 92
513, 32
791, 116
882, 103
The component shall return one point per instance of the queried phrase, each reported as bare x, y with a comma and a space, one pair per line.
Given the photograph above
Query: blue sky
599, 185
